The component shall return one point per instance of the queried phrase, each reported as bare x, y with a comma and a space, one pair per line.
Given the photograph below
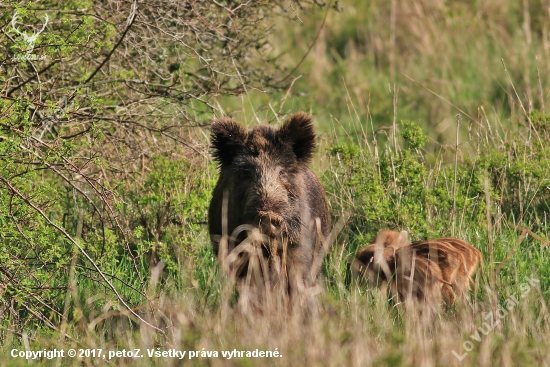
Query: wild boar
266, 184
457, 260
375, 263
416, 279
443, 262
429, 270
389, 264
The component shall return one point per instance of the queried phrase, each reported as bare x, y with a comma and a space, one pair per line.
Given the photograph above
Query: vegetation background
431, 118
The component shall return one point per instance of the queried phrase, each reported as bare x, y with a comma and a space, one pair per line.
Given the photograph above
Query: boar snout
270, 224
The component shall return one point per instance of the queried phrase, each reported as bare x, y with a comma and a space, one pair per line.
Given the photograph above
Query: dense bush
98, 155
400, 189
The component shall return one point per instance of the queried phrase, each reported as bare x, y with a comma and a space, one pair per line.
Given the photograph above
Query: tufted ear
227, 139
298, 131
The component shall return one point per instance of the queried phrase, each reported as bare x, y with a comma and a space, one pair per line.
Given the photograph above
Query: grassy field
431, 118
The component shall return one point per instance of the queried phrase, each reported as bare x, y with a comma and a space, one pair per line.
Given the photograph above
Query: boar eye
245, 172
282, 174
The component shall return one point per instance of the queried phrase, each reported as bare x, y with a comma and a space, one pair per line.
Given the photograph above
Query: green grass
197, 306
488, 189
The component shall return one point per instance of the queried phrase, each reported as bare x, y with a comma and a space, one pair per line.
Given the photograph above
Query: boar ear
227, 138
403, 239
298, 130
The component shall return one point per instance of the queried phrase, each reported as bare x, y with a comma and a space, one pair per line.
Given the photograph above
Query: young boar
457, 260
374, 263
417, 279
429, 270
442, 261
265, 183
389, 263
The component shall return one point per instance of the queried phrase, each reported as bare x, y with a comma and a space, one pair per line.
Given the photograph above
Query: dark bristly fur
267, 182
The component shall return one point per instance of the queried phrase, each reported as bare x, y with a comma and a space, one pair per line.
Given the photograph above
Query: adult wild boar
265, 183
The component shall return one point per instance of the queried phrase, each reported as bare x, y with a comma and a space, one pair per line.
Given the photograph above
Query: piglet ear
298, 131
227, 139
403, 239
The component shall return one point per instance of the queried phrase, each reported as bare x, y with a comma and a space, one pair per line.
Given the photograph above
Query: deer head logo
29, 40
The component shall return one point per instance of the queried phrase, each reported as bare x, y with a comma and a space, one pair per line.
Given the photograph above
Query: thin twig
531, 233
439, 96
129, 22
512, 253
310, 47
88, 257
453, 210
